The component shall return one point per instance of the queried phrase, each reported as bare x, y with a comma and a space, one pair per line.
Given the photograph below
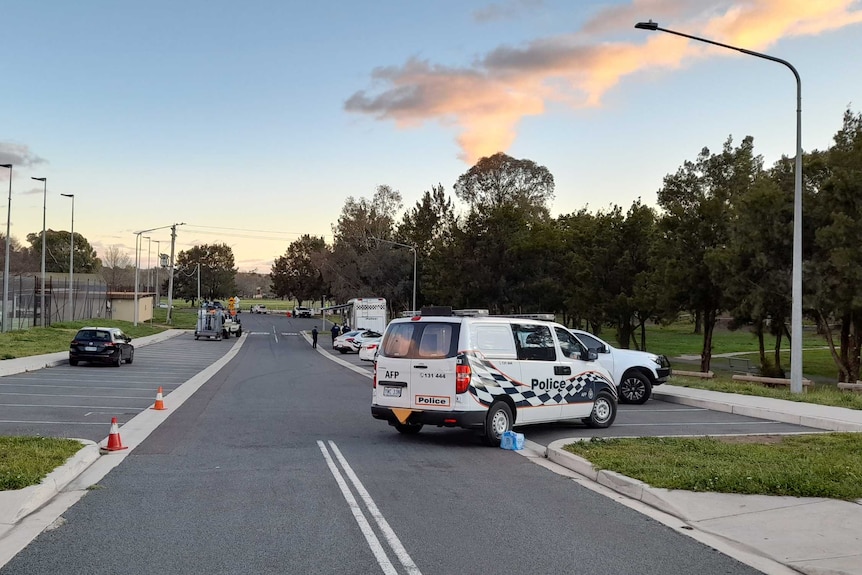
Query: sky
252, 123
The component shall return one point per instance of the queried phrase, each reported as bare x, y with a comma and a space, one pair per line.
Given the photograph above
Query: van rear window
431, 340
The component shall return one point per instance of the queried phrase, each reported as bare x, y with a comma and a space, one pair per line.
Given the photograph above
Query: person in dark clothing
345, 328
314, 337
336, 331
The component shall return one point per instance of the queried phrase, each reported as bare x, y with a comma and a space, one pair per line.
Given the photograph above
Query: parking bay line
698, 423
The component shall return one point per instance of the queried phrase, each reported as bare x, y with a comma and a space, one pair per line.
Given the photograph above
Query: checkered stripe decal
488, 382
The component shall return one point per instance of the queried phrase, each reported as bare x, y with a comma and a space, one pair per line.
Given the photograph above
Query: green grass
56, 337
679, 339
820, 394
26, 461
823, 465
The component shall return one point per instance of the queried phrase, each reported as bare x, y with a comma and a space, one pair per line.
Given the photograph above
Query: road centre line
391, 538
274, 334
370, 537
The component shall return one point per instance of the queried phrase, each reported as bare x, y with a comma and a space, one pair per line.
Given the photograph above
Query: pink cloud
486, 101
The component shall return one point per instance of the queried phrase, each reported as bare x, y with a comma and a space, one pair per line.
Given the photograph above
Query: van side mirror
589, 355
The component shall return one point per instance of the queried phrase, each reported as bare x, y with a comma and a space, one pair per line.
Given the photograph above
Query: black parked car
101, 345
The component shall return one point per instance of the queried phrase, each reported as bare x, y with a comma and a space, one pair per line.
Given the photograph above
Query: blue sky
252, 122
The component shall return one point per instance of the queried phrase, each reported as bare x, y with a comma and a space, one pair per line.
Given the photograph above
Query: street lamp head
39, 179
647, 25
68, 195
6, 166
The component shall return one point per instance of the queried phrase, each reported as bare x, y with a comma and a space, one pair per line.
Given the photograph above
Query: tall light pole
414, 264
796, 281
71, 259
138, 265
158, 257
149, 270
44, 239
6, 263
170, 315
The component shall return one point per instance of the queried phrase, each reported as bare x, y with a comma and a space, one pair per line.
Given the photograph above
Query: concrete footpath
777, 535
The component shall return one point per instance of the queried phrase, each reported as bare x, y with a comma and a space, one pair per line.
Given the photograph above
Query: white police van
489, 373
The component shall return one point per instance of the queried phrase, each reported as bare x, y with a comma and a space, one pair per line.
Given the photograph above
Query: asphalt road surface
276, 466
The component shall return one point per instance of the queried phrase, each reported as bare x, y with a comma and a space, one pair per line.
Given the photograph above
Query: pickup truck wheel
635, 387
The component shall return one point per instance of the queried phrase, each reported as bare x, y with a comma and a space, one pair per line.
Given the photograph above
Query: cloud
485, 101
505, 10
18, 155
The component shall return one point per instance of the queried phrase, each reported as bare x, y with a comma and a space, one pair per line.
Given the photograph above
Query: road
276, 466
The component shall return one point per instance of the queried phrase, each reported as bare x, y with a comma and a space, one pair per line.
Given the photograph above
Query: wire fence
23, 308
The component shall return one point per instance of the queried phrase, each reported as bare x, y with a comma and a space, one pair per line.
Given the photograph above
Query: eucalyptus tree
835, 269
296, 274
57, 246
506, 198
694, 231
212, 265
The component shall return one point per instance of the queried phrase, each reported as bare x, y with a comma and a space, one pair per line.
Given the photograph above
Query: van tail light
374, 381
463, 374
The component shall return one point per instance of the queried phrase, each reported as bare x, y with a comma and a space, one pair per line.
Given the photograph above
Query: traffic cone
114, 441
160, 404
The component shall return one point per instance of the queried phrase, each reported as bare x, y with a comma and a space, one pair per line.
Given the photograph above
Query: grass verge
824, 394
822, 465
25, 461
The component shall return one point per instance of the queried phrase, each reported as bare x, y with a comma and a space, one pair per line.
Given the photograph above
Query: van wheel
408, 428
604, 411
73, 362
635, 388
498, 421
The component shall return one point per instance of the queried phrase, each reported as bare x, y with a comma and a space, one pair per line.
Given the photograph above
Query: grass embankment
26, 461
822, 465
820, 394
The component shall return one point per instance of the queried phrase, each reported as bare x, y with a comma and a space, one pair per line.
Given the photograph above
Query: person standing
335, 331
314, 337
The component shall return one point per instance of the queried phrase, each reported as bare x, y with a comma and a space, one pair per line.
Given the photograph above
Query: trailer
210, 324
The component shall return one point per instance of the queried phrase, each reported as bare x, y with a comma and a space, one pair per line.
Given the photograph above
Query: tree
57, 252
508, 198
695, 229
835, 270
217, 272
117, 270
296, 273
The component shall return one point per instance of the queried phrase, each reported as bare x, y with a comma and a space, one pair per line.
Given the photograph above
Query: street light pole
414, 265
158, 257
796, 281
6, 263
149, 270
44, 213
71, 259
138, 266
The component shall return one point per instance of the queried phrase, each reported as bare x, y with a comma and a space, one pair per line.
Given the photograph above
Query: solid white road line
370, 537
391, 538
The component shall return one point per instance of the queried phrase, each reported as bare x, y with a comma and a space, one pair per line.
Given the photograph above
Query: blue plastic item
512, 440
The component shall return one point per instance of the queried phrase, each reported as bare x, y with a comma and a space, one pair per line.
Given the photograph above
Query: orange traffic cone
114, 441
160, 404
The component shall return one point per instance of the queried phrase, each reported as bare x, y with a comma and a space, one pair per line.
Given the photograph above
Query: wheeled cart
210, 324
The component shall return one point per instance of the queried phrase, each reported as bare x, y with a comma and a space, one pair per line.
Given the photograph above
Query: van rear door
393, 366
433, 365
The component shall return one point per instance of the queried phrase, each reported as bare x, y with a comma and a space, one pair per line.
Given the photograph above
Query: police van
489, 373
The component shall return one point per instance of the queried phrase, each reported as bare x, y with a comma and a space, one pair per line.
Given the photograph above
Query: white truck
367, 313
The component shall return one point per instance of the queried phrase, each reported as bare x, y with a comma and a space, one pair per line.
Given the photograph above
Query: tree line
718, 242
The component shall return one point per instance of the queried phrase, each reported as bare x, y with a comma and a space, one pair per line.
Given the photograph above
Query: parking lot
66, 401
